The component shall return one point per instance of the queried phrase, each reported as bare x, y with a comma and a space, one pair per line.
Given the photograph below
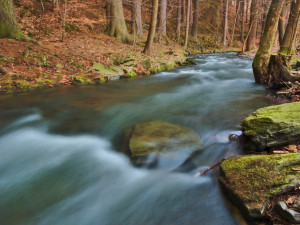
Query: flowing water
59, 159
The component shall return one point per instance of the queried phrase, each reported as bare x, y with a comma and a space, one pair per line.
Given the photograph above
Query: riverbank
82, 59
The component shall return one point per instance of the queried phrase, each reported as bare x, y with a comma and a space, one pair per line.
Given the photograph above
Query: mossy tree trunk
289, 37
195, 19
262, 57
151, 33
253, 25
8, 23
117, 26
137, 18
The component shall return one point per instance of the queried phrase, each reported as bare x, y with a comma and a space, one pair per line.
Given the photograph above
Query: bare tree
291, 29
225, 22
151, 33
117, 26
195, 19
137, 23
179, 19
163, 18
187, 24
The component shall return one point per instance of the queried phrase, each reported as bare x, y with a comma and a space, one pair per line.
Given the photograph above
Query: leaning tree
8, 23
262, 57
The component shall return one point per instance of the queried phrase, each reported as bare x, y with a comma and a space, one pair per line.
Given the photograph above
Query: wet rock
273, 126
250, 181
158, 136
287, 214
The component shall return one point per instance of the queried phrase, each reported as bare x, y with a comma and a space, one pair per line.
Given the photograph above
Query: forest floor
86, 56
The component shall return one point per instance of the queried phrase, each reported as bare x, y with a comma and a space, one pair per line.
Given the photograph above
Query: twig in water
203, 172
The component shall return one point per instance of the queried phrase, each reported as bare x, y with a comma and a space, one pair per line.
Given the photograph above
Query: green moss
82, 79
100, 80
22, 84
41, 81
132, 73
258, 177
146, 64
273, 125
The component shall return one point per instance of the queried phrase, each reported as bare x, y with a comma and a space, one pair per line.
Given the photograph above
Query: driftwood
203, 172
279, 72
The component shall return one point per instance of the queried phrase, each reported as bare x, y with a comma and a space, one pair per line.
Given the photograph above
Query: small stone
287, 214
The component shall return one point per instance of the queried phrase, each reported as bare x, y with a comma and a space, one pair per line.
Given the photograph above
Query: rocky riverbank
267, 185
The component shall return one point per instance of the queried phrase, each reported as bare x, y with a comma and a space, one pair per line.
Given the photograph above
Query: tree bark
235, 22
262, 57
8, 23
225, 23
242, 20
279, 72
137, 18
187, 24
253, 25
117, 26
195, 19
282, 21
151, 34
163, 18
289, 37
179, 18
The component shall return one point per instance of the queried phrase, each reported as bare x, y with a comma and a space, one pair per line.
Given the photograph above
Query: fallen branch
203, 172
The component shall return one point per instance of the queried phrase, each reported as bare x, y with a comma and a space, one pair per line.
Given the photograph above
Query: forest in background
75, 35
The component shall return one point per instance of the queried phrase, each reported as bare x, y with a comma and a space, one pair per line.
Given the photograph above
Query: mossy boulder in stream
158, 136
273, 126
250, 181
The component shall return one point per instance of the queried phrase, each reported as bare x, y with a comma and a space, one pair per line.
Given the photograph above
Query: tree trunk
163, 18
137, 18
289, 37
151, 33
282, 21
262, 57
279, 72
187, 24
235, 22
242, 20
253, 25
225, 23
55, 4
117, 26
196, 19
179, 18
8, 23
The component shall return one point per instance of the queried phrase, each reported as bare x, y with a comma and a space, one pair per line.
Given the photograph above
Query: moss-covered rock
158, 136
110, 71
250, 181
273, 126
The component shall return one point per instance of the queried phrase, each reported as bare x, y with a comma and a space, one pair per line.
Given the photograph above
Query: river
59, 159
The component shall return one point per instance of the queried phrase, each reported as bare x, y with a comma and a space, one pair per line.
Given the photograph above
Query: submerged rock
250, 181
273, 126
158, 136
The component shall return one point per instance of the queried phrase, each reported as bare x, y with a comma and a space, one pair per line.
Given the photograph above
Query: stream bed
59, 158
